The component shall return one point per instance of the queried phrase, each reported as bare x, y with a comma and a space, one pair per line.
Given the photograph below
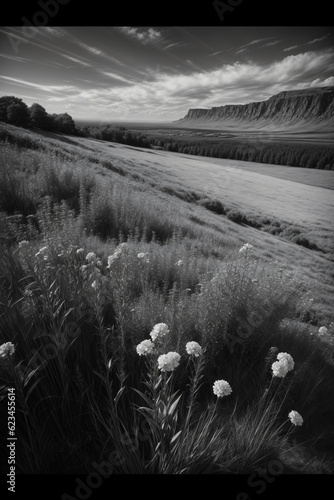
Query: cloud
292, 47
315, 40
143, 35
45, 88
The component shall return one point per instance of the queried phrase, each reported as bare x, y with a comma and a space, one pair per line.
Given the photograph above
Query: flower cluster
23, 243
295, 418
284, 364
193, 349
159, 331
6, 350
245, 247
116, 255
42, 252
323, 330
143, 256
168, 362
221, 388
145, 347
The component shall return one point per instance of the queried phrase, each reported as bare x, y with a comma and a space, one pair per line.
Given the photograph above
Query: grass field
138, 287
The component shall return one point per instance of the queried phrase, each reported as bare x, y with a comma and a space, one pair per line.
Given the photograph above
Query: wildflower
141, 255
168, 362
6, 350
288, 358
116, 255
23, 243
144, 257
323, 330
193, 348
296, 418
221, 388
41, 251
159, 331
179, 262
91, 257
145, 347
280, 368
245, 247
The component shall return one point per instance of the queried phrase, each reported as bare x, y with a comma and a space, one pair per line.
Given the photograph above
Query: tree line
288, 154
16, 112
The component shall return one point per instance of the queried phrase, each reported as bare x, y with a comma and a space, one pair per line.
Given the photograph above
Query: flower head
91, 257
288, 358
179, 262
159, 331
284, 364
168, 362
193, 348
145, 347
7, 350
323, 330
280, 368
245, 247
23, 243
221, 388
144, 257
42, 251
295, 418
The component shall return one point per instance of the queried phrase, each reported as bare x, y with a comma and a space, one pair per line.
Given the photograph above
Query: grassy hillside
137, 287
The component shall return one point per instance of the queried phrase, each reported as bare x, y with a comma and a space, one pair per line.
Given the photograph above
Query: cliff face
293, 107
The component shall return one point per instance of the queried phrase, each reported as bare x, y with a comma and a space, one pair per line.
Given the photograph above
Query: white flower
296, 418
323, 330
145, 347
91, 257
221, 388
168, 362
116, 255
179, 262
23, 243
246, 246
193, 348
159, 331
144, 257
141, 255
6, 350
288, 358
40, 251
280, 368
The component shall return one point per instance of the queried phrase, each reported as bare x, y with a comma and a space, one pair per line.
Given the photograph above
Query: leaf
146, 398
175, 436
174, 405
119, 394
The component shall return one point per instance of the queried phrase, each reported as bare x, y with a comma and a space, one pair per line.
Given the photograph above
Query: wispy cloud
315, 40
45, 88
292, 47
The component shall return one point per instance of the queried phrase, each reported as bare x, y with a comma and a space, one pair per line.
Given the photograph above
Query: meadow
161, 314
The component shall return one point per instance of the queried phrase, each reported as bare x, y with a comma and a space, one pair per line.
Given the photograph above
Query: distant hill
308, 108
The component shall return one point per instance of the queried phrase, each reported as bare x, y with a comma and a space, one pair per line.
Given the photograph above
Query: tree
14, 111
39, 117
64, 123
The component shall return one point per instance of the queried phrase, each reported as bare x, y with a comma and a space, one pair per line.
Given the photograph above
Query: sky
154, 73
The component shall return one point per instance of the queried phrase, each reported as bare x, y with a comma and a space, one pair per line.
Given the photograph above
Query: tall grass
86, 273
